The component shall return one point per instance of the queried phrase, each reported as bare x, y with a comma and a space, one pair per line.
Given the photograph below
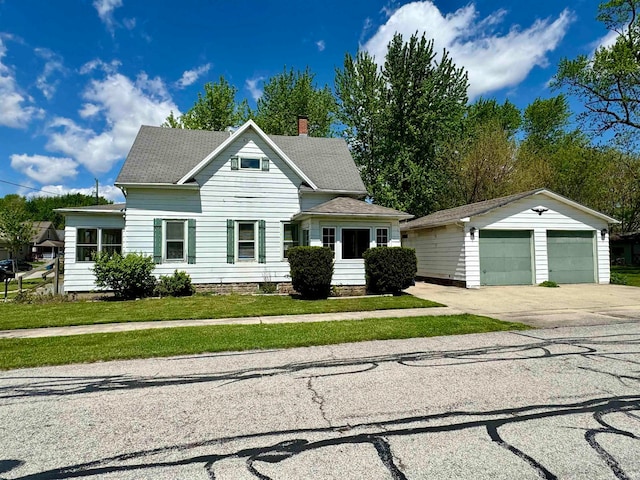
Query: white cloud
124, 105
44, 169
321, 45
109, 192
251, 84
190, 76
105, 10
493, 61
607, 41
16, 108
53, 64
95, 64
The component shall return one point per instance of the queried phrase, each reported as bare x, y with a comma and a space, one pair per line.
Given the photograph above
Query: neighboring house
45, 244
521, 239
225, 207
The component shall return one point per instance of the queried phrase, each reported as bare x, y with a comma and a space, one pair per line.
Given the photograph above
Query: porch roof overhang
347, 207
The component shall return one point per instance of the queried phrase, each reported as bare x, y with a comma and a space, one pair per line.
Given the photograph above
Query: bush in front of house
176, 285
390, 269
311, 271
617, 278
128, 276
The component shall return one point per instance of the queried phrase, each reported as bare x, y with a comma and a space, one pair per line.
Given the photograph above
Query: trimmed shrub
549, 284
311, 271
390, 269
128, 277
176, 285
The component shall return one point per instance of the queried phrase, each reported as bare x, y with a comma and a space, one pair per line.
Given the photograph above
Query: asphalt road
559, 403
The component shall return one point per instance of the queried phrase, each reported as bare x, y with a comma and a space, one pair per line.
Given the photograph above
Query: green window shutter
157, 240
230, 242
295, 234
191, 246
262, 247
265, 164
235, 163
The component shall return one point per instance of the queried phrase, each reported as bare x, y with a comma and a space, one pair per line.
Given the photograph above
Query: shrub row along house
226, 206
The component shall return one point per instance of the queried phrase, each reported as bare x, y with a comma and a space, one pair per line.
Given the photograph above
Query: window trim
335, 237
294, 242
99, 244
257, 159
387, 235
185, 236
237, 241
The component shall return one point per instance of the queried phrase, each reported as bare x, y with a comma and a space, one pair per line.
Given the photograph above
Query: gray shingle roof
351, 206
165, 155
444, 217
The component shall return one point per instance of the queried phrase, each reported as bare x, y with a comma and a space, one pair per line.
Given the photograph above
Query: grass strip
632, 274
34, 352
16, 316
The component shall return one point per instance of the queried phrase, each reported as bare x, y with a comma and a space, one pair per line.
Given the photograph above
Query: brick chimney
303, 125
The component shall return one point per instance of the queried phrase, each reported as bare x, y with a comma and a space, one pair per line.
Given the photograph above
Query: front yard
33, 352
14, 316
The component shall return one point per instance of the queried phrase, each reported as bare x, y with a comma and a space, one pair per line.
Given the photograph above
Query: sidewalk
314, 317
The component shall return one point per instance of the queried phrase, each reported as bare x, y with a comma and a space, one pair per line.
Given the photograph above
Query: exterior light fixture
603, 233
472, 232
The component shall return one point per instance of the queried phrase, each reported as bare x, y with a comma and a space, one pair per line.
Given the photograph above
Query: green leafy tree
43, 208
609, 82
16, 231
216, 109
545, 123
401, 121
484, 111
289, 95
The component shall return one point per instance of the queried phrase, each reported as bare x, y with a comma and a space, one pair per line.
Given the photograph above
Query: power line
32, 188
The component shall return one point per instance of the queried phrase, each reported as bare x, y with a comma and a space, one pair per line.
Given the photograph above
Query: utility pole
96, 191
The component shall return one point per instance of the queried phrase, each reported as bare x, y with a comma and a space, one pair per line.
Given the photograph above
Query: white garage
522, 239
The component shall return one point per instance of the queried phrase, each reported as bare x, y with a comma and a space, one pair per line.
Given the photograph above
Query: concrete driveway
567, 305
554, 404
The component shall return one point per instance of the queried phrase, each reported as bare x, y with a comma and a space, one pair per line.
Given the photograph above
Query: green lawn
631, 273
33, 352
13, 316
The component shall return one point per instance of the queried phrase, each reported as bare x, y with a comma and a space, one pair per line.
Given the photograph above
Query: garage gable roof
459, 214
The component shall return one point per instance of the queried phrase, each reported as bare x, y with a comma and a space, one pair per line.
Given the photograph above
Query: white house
521, 239
226, 206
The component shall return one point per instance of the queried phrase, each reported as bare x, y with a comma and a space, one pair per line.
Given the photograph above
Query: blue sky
78, 77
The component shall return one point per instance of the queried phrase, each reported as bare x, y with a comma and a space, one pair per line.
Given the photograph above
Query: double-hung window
382, 237
246, 241
112, 240
289, 237
86, 244
174, 240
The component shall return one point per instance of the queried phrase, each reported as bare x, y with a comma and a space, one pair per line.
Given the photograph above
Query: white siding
78, 276
440, 252
438, 248
560, 216
224, 194
310, 200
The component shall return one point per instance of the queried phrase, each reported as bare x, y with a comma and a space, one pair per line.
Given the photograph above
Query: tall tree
403, 118
290, 94
609, 82
483, 111
217, 109
15, 229
545, 123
